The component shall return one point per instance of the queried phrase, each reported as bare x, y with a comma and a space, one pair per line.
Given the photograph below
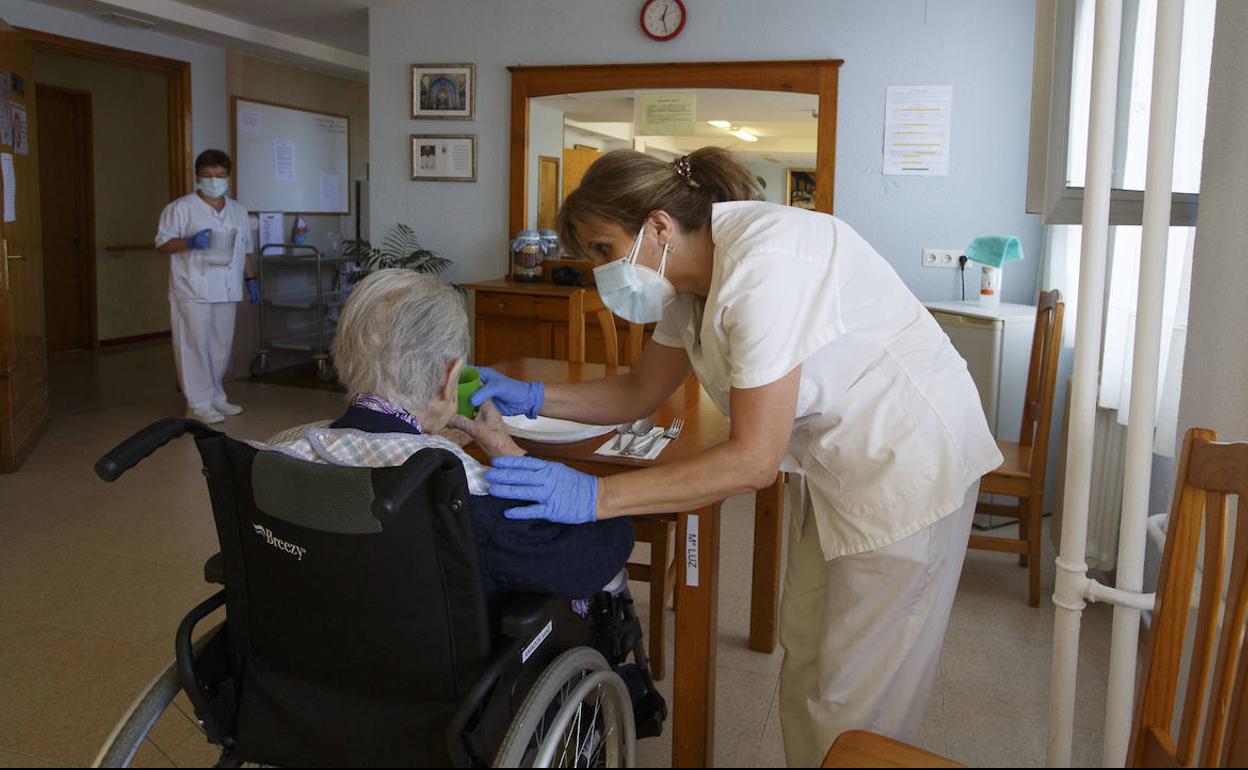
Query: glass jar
527, 252
550, 239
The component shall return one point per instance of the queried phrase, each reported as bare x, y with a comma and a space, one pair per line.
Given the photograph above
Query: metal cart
318, 299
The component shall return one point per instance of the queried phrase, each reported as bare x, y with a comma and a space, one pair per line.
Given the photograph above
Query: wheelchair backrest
353, 640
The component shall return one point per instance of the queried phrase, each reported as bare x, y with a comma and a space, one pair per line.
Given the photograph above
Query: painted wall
210, 119
1215, 366
982, 47
130, 153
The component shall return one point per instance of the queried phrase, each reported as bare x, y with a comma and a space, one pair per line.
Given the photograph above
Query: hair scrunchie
684, 169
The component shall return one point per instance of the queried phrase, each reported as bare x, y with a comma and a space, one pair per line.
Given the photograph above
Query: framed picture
443, 91
444, 157
800, 188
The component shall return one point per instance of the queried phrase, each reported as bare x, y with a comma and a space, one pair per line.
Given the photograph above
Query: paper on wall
916, 130
330, 199
284, 160
248, 121
9, 179
667, 114
270, 228
6, 118
21, 140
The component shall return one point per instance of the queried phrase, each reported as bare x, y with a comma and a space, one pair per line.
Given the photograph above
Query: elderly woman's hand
488, 431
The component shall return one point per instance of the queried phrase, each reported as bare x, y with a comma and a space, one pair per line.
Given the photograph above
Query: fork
672, 432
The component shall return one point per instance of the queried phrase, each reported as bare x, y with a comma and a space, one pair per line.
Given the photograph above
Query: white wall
775, 174
1215, 367
210, 123
982, 47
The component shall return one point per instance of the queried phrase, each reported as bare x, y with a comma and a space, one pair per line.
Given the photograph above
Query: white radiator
1105, 504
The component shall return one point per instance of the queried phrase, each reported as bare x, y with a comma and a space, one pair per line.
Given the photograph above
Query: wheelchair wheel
133, 729
578, 714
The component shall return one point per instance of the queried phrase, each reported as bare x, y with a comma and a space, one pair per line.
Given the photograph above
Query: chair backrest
1046, 346
353, 639
1214, 718
581, 304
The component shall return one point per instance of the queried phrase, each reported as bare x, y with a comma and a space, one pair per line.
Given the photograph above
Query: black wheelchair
357, 631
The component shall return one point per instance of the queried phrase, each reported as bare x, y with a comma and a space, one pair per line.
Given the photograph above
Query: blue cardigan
528, 555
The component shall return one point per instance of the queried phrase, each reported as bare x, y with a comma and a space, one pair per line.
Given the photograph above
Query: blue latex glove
253, 291
510, 396
199, 241
562, 495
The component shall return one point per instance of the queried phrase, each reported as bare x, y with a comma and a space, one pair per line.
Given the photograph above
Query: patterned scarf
379, 404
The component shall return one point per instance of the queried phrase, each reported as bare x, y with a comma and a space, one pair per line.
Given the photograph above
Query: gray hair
398, 333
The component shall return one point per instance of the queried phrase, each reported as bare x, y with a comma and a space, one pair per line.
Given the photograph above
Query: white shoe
226, 408
206, 415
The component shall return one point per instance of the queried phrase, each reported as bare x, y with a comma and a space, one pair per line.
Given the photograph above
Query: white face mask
635, 292
214, 187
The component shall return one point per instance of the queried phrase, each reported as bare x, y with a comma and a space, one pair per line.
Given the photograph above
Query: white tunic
889, 431
191, 277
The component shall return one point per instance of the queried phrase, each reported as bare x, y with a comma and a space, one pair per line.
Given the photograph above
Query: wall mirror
780, 117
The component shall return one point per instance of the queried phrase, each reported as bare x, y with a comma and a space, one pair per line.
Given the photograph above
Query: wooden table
697, 585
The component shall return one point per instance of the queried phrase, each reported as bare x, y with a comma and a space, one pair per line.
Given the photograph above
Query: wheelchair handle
387, 506
131, 452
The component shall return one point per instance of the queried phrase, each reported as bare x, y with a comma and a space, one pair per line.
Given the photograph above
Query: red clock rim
684, 16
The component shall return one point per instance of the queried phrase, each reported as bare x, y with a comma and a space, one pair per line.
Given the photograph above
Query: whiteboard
290, 159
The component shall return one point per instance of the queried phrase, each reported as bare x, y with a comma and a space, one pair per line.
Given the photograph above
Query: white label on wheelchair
537, 642
691, 552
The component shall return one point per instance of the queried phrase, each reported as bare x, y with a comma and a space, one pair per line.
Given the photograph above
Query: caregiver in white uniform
208, 239
824, 361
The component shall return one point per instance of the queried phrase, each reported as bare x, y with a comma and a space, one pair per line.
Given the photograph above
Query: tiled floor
94, 578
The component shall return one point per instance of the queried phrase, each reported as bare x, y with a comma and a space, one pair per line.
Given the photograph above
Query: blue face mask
214, 187
635, 292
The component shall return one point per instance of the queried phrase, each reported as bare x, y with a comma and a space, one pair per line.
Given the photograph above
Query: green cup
469, 383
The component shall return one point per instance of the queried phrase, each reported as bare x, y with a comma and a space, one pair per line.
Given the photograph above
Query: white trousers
862, 633
203, 335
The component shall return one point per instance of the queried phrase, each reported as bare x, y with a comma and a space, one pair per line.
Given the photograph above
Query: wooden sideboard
518, 319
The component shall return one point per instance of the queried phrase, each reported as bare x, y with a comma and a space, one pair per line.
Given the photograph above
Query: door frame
178, 102
89, 263
558, 183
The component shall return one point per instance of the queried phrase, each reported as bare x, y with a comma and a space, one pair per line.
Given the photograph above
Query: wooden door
576, 162
23, 343
547, 194
67, 202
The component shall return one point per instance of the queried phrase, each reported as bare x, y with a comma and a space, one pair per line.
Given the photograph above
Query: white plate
551, 430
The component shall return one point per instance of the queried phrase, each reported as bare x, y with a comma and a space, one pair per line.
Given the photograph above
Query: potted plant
400, 249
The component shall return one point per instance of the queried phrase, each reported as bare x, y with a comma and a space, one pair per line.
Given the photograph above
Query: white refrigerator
996, 343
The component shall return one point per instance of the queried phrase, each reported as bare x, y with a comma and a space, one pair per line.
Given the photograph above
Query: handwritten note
691, 551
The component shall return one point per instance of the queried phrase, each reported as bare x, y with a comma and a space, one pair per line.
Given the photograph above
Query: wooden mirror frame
811, 76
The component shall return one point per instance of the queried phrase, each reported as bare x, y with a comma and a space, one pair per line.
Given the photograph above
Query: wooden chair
1214, 719
1022, 474
659, 531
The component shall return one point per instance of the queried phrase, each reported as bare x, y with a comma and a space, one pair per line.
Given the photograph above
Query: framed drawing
444, 157
800, 188
443, 91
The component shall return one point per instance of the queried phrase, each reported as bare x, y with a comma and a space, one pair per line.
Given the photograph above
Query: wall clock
663, 19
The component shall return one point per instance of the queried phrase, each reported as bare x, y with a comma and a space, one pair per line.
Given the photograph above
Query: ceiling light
720, 123
128, 20
742, 134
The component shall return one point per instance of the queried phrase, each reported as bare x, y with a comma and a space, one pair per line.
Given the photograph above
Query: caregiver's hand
561, 494
510, 396
488, 430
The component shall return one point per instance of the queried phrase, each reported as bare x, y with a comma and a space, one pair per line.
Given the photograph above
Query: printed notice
249, 121
9, 180
284, 160
916, 130
270, 228
691, 551
669, 114
330, 200
21, 140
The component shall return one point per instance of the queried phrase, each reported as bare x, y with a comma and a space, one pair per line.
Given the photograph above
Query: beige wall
129, 123
270, 81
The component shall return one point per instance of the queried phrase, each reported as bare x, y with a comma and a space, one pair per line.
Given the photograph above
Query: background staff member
806, 336
205, 284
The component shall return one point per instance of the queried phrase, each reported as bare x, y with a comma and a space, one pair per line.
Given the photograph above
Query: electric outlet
941, 257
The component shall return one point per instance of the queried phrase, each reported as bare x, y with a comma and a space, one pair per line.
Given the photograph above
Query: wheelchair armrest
214, 569
525, 614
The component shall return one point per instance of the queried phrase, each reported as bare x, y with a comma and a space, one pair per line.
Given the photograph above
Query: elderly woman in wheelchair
380, 608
